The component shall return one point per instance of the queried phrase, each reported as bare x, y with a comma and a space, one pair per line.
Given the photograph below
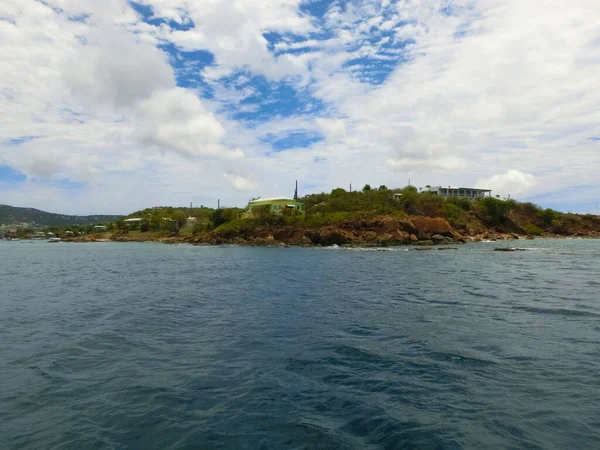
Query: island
371, 217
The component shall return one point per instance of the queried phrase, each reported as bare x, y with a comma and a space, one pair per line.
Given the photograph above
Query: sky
113, 106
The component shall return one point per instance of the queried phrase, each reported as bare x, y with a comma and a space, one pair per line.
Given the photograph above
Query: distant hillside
34, 218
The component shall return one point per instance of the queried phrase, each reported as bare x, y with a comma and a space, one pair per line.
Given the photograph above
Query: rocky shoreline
379, 231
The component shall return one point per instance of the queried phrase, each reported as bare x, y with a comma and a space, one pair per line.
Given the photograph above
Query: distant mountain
34, 218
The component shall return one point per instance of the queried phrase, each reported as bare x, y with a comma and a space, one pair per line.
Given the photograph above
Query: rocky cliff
377, 231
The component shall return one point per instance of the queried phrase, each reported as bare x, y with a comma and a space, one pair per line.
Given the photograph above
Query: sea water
150, 346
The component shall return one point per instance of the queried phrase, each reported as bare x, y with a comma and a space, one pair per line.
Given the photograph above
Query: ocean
151, 346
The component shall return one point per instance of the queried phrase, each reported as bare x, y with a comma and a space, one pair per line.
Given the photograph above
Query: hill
373, 217
34, 218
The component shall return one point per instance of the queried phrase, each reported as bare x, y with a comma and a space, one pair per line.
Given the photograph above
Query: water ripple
131, 346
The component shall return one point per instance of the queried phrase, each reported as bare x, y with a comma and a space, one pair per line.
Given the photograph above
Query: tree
367, 187
383, 187
496, 209
217, 218
548, 216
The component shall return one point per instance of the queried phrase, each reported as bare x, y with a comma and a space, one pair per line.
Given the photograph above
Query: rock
329, 236
515, 236
439, 239
509, 249
428, 226
425, 242
384, 240
385, 223
369, 236
401, 237
407, 226
421, 249
413, 238
447, 248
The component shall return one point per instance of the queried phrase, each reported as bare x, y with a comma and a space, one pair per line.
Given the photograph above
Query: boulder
407, 226
385, 223
428, 227
385, 239
330, 236
425, 242
369, 236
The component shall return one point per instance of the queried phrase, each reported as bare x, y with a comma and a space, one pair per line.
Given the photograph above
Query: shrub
533, 229
463, 203
548, 216
530, 208
495, 209
450, 211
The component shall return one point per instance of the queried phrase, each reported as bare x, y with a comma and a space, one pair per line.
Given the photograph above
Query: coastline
375, 232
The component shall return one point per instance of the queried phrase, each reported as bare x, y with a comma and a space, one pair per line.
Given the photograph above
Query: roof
273, 199
135, 219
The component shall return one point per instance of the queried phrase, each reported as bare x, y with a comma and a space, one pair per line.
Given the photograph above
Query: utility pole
219, 203
350, 187
296, 191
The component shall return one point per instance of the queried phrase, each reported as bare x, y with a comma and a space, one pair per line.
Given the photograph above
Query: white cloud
501, 93
333, 128
513, 182
241, 182
112, 67
176, 119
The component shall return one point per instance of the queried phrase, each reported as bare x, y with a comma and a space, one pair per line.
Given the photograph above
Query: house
132, 221
274, 205
459, 192
100, 228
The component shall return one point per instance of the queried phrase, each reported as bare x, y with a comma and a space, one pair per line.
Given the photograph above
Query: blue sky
174, 101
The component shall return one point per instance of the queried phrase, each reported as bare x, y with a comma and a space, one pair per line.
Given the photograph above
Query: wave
557, 311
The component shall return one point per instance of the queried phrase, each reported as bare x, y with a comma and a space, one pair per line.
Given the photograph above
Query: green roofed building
274, 205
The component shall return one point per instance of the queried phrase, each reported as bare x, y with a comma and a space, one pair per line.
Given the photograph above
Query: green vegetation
532, 229
173, 221
34, 218
490, 214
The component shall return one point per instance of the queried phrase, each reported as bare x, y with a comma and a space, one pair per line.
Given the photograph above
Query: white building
459, 192
133, 220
